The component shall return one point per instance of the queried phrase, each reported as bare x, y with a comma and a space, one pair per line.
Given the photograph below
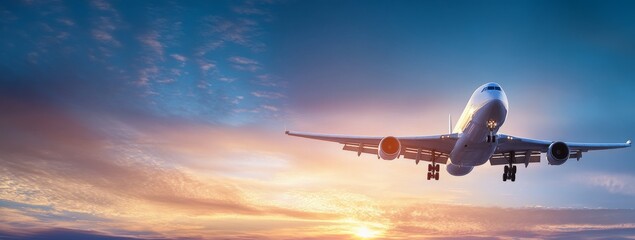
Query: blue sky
167, 113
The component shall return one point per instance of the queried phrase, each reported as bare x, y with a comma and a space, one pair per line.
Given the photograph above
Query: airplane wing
526, 150
418, 148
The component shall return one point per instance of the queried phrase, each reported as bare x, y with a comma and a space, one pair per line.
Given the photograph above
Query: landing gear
433, 168
433, 175
509, 172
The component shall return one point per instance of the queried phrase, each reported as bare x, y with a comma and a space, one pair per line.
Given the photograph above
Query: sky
166, 119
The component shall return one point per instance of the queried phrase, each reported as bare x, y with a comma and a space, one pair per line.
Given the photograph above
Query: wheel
506, 169
514, 170
504, 177
430, 169
489, 138
429, 175
437, 167
494, 138
436, 176
513, 177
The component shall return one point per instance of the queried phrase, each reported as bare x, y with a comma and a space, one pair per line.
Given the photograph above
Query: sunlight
365, 232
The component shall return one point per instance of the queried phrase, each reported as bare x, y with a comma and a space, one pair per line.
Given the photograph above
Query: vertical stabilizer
450, 123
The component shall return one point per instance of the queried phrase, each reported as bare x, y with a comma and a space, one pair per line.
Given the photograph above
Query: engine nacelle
456, 170
558, 153
389, 148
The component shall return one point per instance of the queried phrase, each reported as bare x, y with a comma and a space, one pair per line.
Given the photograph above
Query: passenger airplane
473, 142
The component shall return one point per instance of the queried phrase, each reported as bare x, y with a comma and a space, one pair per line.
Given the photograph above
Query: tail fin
450, 123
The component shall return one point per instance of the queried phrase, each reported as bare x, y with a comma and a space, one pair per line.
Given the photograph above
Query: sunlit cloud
151, 40
244, 64
180, 58
611, 182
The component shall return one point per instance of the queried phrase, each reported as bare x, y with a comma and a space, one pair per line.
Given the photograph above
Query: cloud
145, 74
226, 79
104, 36
179, 57
111, 168
62, 233
270, 108
153, 179
221, 31
66, 21
613, 183
243, 61
102, 5
269, 95
206, 66
151, 40
268, 80
245, 64
250, 10
104, 25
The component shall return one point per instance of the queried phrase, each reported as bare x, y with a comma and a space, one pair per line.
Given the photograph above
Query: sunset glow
365, 233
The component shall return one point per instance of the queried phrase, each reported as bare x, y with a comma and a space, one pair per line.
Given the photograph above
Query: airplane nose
496, 110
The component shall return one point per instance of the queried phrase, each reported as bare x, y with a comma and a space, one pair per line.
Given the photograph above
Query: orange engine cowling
389, 148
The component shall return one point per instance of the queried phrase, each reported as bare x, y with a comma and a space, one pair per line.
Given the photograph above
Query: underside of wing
515, 157
419, 148
417, 154
510, 143
518, 150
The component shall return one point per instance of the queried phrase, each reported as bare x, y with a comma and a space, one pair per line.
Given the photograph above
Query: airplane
473, 142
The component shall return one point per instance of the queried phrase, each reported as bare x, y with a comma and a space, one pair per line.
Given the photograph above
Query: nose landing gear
491, 125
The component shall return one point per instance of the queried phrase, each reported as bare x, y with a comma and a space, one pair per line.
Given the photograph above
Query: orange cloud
144, 179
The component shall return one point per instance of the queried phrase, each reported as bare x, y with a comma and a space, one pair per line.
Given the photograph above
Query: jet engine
558, 153
389, 148
456, 170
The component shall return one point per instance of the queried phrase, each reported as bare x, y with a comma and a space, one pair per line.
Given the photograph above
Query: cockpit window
491, 88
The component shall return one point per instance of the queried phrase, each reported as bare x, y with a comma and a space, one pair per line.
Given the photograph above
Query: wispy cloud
243, 61
611, 182
151, 40
104, 25
269, 95
222, 31
102, 5
206, 66
226, 79
270, 108
66, 21
104, 36
269, 80
245, 64
146, 74
179, 57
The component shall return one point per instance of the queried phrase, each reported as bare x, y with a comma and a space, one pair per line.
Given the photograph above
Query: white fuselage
488, 104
